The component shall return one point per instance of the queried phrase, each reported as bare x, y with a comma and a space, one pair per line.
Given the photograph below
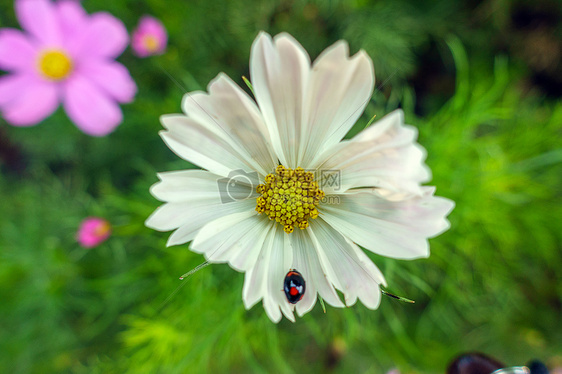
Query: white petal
195, 197
306, 261
350, 269
230, 113
338, 91
197, 144
254, 284
279, 264
279, 69
199, 185
186, 185
200, 216
237, 239
190, 217
397, 229
384, 155
265, 279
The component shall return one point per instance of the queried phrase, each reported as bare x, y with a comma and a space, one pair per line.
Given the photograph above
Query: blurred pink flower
149, 38
93, 231
64, 55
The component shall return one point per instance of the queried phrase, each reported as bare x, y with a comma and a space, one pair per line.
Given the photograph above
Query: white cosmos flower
303, 111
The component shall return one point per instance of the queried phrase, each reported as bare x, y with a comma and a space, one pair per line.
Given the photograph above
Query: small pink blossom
149, 38
93, 231
64, 55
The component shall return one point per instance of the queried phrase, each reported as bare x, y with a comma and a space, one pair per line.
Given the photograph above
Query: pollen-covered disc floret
289, 197
55, 65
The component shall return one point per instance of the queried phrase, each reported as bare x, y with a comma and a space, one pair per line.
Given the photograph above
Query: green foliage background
489, 115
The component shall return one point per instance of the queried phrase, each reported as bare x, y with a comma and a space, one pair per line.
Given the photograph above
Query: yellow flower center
151, 43
55, 64
103, 229
289, 197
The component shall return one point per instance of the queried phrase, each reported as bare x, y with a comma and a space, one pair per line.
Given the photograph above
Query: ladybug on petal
294, 286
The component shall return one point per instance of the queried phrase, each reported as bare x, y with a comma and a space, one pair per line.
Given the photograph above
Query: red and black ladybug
294, 286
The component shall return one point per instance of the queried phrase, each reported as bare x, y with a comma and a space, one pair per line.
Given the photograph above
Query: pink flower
149, 38
65, 55
93, 231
